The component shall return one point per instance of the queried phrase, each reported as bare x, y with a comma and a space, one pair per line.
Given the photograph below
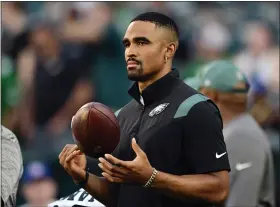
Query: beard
139, 75
136, 75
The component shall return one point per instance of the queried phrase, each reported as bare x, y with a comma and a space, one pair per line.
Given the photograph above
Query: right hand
74, 162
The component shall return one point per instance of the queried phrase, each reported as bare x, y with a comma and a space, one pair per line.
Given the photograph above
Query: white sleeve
11, 166
80, 198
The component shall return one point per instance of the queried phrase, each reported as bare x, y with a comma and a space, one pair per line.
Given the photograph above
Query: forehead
141, 29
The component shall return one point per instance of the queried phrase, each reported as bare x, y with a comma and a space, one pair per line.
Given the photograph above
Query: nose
131, 51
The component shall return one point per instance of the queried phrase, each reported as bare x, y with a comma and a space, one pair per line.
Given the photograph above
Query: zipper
138, 124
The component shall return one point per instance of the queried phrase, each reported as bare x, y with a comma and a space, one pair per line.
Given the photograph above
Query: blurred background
57, 56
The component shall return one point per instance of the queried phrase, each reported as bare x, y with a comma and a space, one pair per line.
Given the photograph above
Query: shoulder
198, 112
7, 136
126, 109
251, 132
248, 138
194, 103
205, 114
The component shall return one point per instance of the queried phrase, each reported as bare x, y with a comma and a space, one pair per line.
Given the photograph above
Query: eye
126, 45
141, 43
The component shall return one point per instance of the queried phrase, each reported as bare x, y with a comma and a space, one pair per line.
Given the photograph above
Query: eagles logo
160, 108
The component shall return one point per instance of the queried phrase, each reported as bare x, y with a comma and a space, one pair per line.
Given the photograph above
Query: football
95, 129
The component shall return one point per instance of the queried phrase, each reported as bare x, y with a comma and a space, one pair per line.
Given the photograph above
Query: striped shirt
11, 166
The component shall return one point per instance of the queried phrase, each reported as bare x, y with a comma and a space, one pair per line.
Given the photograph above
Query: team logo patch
160, 108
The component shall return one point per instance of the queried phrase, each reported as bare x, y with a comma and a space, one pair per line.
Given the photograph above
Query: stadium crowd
57, 56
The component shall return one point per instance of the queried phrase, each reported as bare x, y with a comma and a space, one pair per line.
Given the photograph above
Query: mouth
132, 65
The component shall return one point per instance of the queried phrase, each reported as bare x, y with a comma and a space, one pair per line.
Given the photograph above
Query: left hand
137, 171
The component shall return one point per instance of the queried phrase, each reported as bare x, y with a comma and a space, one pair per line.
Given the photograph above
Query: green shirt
9, 85
192, 68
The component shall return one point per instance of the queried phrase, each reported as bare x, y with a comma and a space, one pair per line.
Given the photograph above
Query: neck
145, 84
228, 115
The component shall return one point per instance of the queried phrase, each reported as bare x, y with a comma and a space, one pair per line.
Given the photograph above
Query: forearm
98, 187
82, 93
206, 187
82, 32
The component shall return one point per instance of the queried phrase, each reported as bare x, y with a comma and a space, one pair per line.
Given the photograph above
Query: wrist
81, 183
150, 181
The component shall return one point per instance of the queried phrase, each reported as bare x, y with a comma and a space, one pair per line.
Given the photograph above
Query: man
39, 188
172, 151
56, 82
208, 48
252, 175
11, 167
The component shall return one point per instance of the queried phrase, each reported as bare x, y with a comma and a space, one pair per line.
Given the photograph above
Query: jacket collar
156, 91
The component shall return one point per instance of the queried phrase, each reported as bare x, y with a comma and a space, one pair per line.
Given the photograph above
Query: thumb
136, 148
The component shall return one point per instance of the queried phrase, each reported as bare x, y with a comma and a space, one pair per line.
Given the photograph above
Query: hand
137, 171
74, 162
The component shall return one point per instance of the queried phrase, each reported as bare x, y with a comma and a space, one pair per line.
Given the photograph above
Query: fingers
112, 170
109, 172
117, 162
136, 148
74, 148
71, 155
112, 179
65, 152
63, 155
73, 168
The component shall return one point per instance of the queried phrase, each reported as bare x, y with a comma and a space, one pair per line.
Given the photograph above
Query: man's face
40, 192
145, 48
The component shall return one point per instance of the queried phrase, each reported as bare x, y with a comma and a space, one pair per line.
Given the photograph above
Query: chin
134, 77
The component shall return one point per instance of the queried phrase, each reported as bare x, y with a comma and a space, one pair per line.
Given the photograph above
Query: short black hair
159, 20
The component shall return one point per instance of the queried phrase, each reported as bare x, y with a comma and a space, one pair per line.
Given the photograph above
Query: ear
171, 49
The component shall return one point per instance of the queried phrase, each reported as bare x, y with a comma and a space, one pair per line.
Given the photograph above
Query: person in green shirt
10, 93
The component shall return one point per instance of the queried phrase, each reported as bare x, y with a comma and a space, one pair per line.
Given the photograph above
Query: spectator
208, 48
252, 177
93, 28
10, 94
257, 40
39, 188
86, 22
56, 84
14, 28
265, 90
11, 167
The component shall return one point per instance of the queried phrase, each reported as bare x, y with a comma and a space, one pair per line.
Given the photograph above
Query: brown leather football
95, 129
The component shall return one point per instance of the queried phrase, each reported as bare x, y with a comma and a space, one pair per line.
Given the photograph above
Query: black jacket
180, 131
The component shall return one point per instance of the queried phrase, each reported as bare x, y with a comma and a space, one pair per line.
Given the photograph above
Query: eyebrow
137, 39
